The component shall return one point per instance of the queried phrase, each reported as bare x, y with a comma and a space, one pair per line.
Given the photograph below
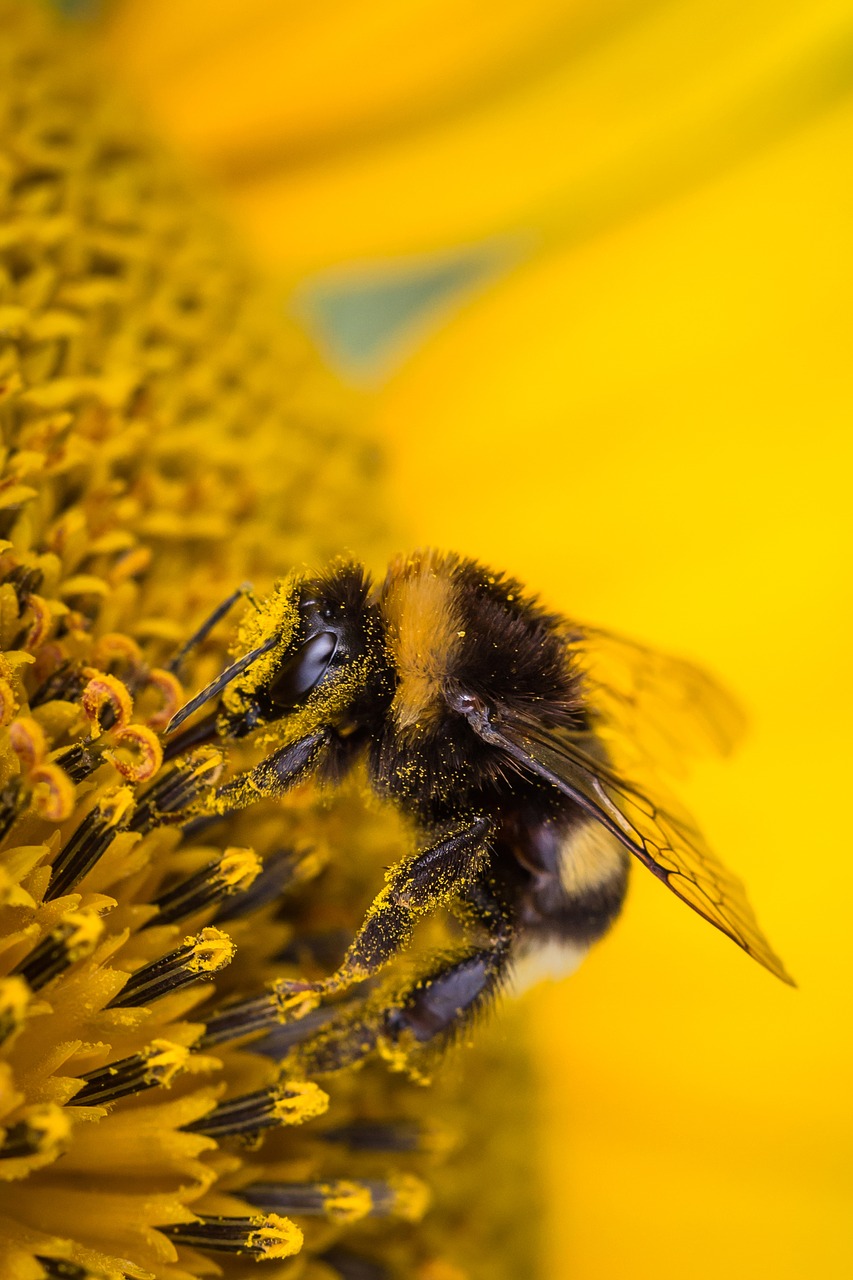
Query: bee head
311, 656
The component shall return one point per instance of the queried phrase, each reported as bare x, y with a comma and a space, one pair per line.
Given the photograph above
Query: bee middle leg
414, 887
445, 999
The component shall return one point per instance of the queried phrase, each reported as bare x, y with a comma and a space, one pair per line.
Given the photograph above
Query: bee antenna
216, 686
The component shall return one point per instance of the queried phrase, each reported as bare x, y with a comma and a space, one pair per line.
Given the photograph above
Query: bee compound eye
303, 671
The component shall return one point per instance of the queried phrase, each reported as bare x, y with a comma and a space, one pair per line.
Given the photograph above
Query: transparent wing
665, 840
651, 706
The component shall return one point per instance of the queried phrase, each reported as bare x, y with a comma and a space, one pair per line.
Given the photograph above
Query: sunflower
166, 436
632, 220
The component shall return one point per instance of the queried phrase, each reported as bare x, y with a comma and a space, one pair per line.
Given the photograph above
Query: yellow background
674, 462
645, 416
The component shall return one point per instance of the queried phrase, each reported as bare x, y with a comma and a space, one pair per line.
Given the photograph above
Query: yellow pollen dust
300, 1100
166, 1061
84, 930
238, 868
346, 1201
275, 1237
212, 950
411, 1197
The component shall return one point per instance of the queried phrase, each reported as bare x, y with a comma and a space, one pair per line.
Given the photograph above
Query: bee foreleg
413, 887
274, 775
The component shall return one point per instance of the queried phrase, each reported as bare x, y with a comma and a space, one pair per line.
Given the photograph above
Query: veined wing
651, 705
664, 840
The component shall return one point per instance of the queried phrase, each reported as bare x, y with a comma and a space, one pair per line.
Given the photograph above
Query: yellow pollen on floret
346, 1201
212, 950
105, 692
300, 1100
239, 868
83, 931
14, 999
116, 804
411, 1196
274, 1237
165, 1061
45, 1130
138, 753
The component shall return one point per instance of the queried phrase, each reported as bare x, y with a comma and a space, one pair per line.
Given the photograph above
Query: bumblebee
496, 725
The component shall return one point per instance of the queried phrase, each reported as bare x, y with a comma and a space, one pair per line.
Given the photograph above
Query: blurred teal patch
370, 318
78, 8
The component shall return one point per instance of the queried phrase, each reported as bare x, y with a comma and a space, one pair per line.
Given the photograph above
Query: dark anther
62, 1269
278, 1044
234, 870
154, 1066
244, 1115
249, 1114
22, 1139
65, 685
12, 800
240, 1019
77, 761
195, 735
345, 1201
83, 848
282, 870
257, 1237
174, 791
377, 1135
196, 961
72, 939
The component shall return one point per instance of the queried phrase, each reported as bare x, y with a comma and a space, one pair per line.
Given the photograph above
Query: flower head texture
165, 437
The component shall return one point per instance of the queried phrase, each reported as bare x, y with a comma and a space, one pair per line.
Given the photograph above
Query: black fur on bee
479, 713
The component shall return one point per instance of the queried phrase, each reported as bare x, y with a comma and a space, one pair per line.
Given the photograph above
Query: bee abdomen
576, 899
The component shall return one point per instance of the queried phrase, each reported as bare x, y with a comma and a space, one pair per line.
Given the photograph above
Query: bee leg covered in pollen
276, 774
447, 993
414, 887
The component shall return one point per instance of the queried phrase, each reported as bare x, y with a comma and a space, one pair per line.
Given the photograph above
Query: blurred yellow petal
302, 82
372, 131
